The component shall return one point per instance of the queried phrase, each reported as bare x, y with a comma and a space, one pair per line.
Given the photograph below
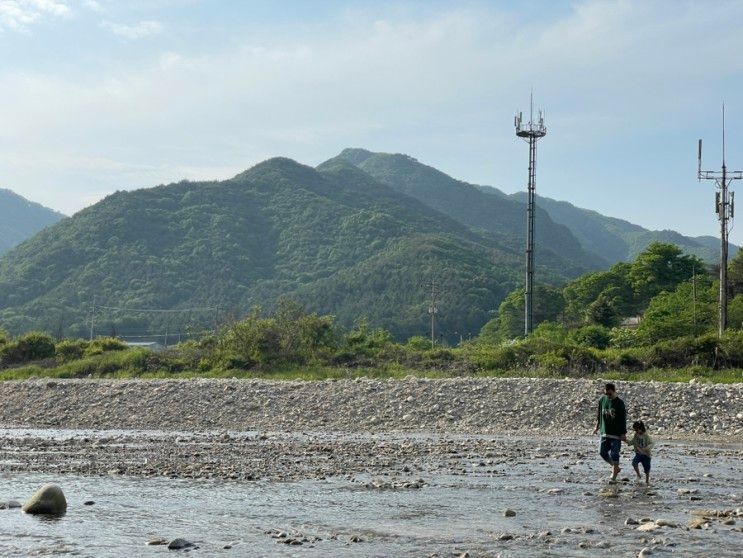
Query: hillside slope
21, 219
618, 240
333, 237
498, 215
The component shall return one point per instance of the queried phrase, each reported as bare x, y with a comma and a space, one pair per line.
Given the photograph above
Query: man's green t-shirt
612, 417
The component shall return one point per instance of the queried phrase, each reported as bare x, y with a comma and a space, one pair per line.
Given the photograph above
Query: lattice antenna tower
531, 132
725, 209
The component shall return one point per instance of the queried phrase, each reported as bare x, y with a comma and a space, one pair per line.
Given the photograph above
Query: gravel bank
460, 405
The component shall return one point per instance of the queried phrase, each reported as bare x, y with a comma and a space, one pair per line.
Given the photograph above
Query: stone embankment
458, 405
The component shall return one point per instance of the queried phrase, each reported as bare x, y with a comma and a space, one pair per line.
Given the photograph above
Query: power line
157, 310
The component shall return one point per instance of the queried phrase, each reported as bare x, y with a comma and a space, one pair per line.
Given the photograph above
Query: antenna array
725, 209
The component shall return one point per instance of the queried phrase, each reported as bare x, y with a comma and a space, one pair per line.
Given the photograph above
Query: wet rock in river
180, 544
508, 512
47, 500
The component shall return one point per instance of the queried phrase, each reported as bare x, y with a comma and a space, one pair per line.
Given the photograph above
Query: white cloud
18, 15
133, 32
442, 88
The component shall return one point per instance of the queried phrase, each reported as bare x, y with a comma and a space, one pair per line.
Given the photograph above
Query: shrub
70, 349
101, 345
551, 361
595, 336
419, 343
32, 346
684, 351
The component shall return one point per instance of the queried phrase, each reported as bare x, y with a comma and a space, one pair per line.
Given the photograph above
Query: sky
105, 95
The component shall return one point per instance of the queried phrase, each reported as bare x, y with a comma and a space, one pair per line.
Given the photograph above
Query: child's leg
635, 461
646, 468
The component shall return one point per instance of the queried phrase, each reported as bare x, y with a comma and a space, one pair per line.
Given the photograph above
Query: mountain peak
356, 155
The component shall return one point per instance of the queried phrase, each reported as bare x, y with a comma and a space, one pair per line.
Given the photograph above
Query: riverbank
456, 405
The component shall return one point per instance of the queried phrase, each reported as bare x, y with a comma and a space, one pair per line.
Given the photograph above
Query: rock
630, 521
505, 537
644, 552
554, 491
665, 523
9, 505
47, 500
356, 539
729, 521
508, 512
697, 523
648, 527
157, 542
179, 544
88, 503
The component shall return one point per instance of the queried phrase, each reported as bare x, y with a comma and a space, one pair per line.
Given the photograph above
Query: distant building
631, 322
151, 345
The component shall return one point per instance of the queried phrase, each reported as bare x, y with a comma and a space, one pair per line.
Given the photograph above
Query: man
612, 422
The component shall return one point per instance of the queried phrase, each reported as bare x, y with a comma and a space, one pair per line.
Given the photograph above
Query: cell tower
725, 209
531, 132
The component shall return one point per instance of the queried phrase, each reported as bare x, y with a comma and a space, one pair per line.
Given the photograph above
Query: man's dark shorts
609, 449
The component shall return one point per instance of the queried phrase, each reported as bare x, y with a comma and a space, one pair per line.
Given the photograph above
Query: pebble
508, 512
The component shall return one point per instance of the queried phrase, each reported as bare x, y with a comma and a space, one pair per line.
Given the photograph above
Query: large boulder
47, 500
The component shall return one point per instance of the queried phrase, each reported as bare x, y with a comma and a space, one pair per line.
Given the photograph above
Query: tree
661, 267
735, 274
549, 305
677, 313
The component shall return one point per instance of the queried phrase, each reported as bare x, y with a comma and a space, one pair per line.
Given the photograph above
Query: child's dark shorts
644, 459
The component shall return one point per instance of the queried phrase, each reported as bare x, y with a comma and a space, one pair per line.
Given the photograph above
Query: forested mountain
361, 235
334, 238
617, 240
20, 219
498, 215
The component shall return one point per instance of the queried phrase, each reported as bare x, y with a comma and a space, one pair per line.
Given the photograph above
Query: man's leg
614, 456
604, 447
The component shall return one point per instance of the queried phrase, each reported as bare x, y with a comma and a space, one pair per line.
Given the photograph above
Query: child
643, 444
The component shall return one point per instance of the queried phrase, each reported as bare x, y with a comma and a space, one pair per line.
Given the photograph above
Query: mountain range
362, 235
20, 219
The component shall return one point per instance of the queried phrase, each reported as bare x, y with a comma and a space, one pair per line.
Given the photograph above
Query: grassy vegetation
291, 344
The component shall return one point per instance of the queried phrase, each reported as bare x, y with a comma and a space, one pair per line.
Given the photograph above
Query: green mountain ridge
618, 240
333, 238
21, 218
499, 216
360, 235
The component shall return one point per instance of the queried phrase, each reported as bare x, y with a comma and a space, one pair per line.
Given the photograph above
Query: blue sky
99, 96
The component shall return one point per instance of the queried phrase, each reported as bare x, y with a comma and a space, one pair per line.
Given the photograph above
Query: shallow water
450, 514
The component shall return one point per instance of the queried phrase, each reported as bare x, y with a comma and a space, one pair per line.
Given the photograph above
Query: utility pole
694, 298
531, 132
725, 209
433, 308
